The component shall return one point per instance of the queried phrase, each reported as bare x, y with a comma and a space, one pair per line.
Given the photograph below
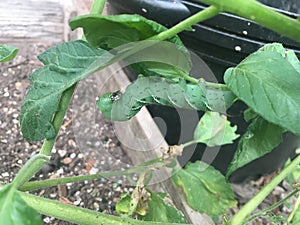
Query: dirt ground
69, 159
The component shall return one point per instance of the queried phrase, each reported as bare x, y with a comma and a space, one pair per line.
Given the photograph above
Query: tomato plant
267, 81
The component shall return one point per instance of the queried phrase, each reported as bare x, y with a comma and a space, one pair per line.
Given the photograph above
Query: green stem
261, 14
33, 165
217, 85
151, 162
274, 206
29, 169
251, 205
295, 209
187, 23
79, 215
97, 6
34, 185
189, 143
58, 119
187, 77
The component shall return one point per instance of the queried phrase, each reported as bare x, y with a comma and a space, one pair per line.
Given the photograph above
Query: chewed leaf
162, 211
7, 53
158, 209
268, 81
214, 129
14, 210
123, 206
205, 188
65, 64
260, 138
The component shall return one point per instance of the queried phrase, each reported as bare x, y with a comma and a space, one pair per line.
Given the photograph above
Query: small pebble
67, 160
60, 171
62, 153
18, 85
96, 206
47, 220
73, 155
5, 174
77, 202
53, 195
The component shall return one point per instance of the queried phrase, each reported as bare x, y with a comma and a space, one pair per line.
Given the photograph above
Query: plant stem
187, 77
217, 85
251, 205
296, 207
79, 215
274, 206
97, 6
33, 165
58, 119
187, 23
34, 185
261, 14
29, 169
189, 143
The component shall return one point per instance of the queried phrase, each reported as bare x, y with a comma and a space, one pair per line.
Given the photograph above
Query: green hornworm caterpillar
155, 90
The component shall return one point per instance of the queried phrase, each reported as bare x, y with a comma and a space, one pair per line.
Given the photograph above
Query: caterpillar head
105, 103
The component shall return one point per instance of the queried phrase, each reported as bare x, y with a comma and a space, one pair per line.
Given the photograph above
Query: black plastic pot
221, 42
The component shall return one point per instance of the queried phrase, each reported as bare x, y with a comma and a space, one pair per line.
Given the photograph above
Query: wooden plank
32, 20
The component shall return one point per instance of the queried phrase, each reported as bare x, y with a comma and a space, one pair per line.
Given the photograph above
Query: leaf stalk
79, 215
251, 205
261, 14
187, 23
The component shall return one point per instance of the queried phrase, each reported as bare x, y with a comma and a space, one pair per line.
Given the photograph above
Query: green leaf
65, 64
14, 210
158, 209
205, 188
162, 211
296, 217
123, 206
260, 138
109, 32
268, 81
7, 53
249, 115
214, 129
294, 176
164, 60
